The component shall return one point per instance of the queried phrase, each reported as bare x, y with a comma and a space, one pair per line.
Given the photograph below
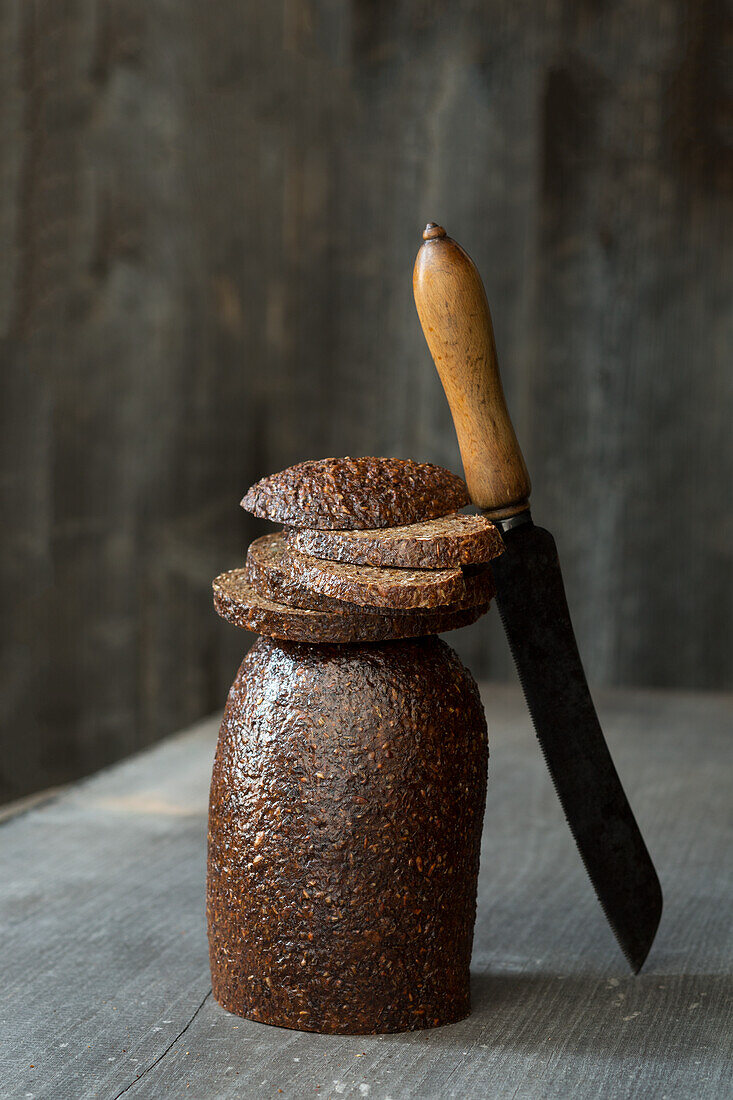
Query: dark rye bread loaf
439, 543
264, 571
344, 844
397, 589
354, 493
240, 604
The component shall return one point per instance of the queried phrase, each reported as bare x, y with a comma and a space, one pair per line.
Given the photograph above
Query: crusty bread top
356, 493
440, 543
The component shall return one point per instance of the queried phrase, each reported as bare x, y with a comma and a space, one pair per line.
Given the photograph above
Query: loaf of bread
350, 774
344, 835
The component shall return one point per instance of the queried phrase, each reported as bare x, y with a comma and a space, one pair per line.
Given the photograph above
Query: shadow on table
653, 1014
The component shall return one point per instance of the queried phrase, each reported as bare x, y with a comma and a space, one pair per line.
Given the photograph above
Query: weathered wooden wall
209, 218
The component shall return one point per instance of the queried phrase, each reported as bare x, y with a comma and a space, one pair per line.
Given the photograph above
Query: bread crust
354, 493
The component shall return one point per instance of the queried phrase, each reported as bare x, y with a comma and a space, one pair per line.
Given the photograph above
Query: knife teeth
635, 963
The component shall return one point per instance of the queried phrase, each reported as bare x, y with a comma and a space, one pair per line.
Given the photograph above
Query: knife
455, 318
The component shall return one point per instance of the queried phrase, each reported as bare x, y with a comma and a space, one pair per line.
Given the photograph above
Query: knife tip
637, 944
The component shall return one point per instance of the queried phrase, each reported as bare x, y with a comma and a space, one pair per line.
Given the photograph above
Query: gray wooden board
208, 221
105, 985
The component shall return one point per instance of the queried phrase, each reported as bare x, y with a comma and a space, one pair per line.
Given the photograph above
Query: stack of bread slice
372, 549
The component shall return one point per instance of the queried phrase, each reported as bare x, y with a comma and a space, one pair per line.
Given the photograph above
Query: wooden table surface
105, 987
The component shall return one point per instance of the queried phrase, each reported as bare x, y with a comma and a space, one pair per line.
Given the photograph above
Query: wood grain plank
209, 217
106, 976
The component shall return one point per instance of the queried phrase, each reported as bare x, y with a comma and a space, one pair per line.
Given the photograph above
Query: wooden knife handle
455, 318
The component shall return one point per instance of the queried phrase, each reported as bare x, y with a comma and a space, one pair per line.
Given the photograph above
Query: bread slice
264, 570
440, 543
368, 586
238, 602
356, 493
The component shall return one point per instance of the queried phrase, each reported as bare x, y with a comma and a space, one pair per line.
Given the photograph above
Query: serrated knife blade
530, 595
456, 321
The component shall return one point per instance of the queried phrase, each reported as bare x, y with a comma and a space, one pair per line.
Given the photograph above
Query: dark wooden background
209, 215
